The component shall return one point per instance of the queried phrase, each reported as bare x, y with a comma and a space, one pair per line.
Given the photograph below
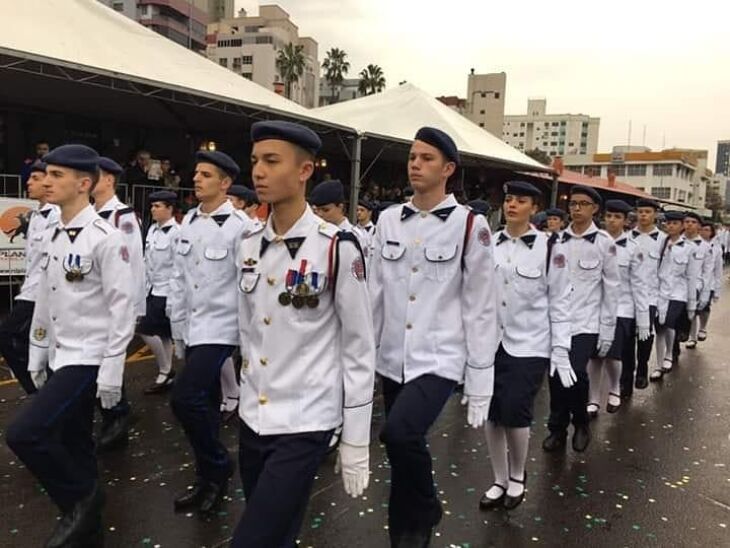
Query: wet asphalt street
656, 474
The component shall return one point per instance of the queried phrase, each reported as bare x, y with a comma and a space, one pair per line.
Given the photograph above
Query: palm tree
372, 80
290, 64
335, 68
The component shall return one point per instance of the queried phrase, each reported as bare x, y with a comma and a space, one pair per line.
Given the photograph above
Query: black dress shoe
611, 408
593, 413
641, 383
581, 438
161, 387
554, 442
211, 498
485, 503
510, 503
412, 539
191, 497
114, 434
81, 525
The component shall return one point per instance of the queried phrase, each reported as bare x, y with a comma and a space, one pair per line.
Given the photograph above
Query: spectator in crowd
169, 177
137, 173
41, 149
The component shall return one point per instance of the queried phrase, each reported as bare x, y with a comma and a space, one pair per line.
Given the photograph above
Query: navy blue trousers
410, 410
14, 341
53, 435
196, 401
277, 473
567, 402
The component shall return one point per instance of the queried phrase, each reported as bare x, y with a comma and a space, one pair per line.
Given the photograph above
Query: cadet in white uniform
555, 220
677, 300
432, 285
306, 342
650, 241
328, 201
82, 324
203, 313
594, 274
15, 330
365, 223
534, 320
708, 233
632, 310
706, 279
159, 259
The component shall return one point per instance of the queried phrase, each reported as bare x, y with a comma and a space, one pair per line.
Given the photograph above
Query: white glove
109, 395
39, 378
691, 313
354, 463
603, 347
179, 349
560, 362
477, 410
643, 333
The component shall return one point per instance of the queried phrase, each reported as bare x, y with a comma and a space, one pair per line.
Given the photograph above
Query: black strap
550, 243
664, 248
467, 235
345, 236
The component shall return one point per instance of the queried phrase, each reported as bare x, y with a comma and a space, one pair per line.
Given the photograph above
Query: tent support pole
355, 177
554, 192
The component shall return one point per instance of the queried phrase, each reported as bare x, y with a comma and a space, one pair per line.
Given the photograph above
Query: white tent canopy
87, 35
398, 113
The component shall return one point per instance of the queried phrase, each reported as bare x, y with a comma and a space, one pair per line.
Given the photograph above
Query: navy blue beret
540, 219
219, 159
280, 130
521, 188
645, 202
440, 140
38, 165
327, 192
239, 191
250, 196
109, 166
167, 196
674, 215
707, 222
367, 204
588, 191
479, 206
555, 212
79, 157
693, 215
618, 206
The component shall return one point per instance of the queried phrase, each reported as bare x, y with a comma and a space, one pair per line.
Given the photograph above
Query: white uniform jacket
533, 293
706, 280
433, 297
124, 218
678, 274
40, 220
203, 295
595, 278
159, 257
650, 244
306, 332
634, 289
84, 309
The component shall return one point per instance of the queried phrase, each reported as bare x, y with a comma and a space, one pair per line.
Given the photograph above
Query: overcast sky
663, 66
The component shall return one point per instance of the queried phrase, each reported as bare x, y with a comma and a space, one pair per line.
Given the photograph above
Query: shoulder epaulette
256, 229
125, 211
328, 229
102, 225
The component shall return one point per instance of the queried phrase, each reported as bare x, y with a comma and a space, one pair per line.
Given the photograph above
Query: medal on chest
303, 287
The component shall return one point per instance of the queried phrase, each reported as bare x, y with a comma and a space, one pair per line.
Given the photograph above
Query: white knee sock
518, 440
595, 380
497, 445
167, 345
704, 319
229, 385
661, 346
694, 327
669, 338
164, 362
613, 373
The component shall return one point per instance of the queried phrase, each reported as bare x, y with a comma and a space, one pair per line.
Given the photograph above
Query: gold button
412, 298
264, 361
409, 326
414, 269
417, 242
244, 364
424, 214
263, 400
278, 239
267, 321
271, 281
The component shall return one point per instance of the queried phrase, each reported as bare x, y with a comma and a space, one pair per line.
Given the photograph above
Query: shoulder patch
484, 236
102, 225
612, 250
127, 227
328, 230
559, 260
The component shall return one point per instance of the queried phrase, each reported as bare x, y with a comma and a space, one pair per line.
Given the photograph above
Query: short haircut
94, 176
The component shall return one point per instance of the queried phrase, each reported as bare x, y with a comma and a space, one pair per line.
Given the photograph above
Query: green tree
540, 156
335, 66
290, 64
372, 80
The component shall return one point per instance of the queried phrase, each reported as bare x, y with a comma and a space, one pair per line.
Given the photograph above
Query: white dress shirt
124, 218
203, 297
86, 320
310, 368
159, 257
677, 274
717, 269
434, 300
40, 221
634, 289
595, 278
533, 299
706, 279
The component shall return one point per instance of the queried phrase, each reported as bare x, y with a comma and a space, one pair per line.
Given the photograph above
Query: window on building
251, 29
555, 124
234, 43
482, 111
264, 40
554, 133
118, 6
248, 75
553, 143
496, 95
522, 133
681, 195
223, 62
481, 124
584, 135
562, 123
522, 124
544, 143
640, 188
661, 192
547, 124
571, 144
636, 170
247, 59
514, 135
663, 170
236, 63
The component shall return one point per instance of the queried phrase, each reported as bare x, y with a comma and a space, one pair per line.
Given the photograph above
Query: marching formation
294, 323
